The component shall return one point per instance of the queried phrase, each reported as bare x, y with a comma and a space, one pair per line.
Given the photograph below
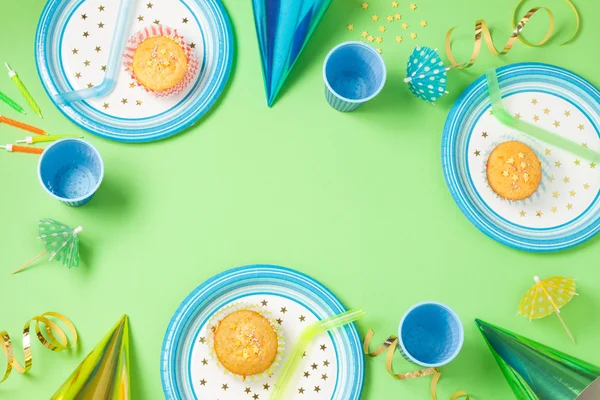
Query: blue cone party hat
283, 28
538, 372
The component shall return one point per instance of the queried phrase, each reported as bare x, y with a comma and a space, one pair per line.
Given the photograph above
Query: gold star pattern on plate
522, 213
224, 386
586, 186
569, 206
365, 5
557, 164
382, 28
379, 51
193, 45
322, 347
314, 366
390, 18
397, 16
86, 34
534, 101
399, 39
248, 390
518, 116
592, 165
266, 386
566, 179
370, 38
98, 49
477, 153
350, 27
84, 16
375, 17
484, 135
138, 103
405, 26
303, 354
554, 209
279, 321
556, 124
546, 111
423, 23
103, 68
204, 361
202, 339
101, 8
101, 25
395, 4
572, 193
413, 35
131, 85
306, 374
255, 396
551, 179
536, 118
324, 377
283, 310
149, 5
567, 113
264, 303
184, 20
317, 389
106, 105
326, 363
584, 145
555, 195
301, 390
539, 213
203, 382
75, 51
90, 85
302, 318
124, 100
576, 162
86, 63
413, 6
156, 21
580, 127
140, 18
548, 151
364, 34
379, 39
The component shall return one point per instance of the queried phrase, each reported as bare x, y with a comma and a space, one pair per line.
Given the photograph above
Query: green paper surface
358, 201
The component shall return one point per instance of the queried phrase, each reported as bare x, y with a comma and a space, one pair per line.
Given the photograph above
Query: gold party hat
104, 374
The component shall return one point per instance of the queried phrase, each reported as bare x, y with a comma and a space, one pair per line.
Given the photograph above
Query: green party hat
104, 373
538, 372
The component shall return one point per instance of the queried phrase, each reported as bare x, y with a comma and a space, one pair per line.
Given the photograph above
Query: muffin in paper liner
193, 65
241, 306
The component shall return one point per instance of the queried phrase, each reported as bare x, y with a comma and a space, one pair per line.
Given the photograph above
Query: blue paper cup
430, 334
71, 171
354, 73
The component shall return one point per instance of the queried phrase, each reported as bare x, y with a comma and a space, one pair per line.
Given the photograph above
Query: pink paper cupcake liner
160, 30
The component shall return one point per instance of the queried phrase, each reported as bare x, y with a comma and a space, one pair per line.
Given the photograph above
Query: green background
358, 201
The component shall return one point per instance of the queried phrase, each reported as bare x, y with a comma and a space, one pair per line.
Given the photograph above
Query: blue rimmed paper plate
72, 44
565, 210
333, 367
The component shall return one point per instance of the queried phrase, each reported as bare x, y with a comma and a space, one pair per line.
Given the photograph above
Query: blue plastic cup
354, 73
71, 171
430, 334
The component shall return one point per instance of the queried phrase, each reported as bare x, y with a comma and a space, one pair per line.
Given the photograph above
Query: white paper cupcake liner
239, 306
160, 30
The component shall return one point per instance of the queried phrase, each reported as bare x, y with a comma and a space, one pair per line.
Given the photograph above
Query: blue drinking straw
112, 67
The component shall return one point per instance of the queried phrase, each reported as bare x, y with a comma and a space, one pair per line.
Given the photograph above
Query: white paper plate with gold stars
72, 46
333, 365
565, 210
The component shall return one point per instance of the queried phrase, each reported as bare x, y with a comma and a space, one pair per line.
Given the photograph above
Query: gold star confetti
193, 45
592, 165
140, 18
124, 100
576, 162
132, 85
101, 25
491, 112
572, 193
303, 354
554, 209
324, 377
138, 103
484, 135
423, 23
510, 160
350, 27
566, 179
326, 363
149, 5
255, 396
364, 34
106, 105
534, 101
279, 321
266, 386
382, 28
75, 51
567, 113
247, 390
84, 16
306, 374
323, 347
518, 116
370, 38
522, 213
314, 366
302, 318
86, 34
584, 144
379, 39
551, 179
538, 213
86, 63
548, 151
413, 7
156, 21
505, 172
283, 310
555, 195
557, 164
536, 118
101, 8
546, 111
586, 186
202, 340
569, 206
399, 39
103, 68
477, 153
413, 35
395, 4
301, 390
404, 25
224, 386
203, 382
264, 303
580, 127
184, 20
78, 75
379, 51
397, 16
375, 17
90, 85
98, 49
317, 389
365, 5
556, 124
390, 18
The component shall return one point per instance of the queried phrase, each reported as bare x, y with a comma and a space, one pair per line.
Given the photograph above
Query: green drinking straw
548, 137
305, 338
15, 78
13, 104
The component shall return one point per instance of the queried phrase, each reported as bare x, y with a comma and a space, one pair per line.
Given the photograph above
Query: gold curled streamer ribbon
577, 22
52, 337
482, 30
390, 345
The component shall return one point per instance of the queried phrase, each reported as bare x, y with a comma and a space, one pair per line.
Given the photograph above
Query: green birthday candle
15, 78
10, 102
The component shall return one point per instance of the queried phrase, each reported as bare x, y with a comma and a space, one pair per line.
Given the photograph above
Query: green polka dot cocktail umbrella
61, 243
426, 74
